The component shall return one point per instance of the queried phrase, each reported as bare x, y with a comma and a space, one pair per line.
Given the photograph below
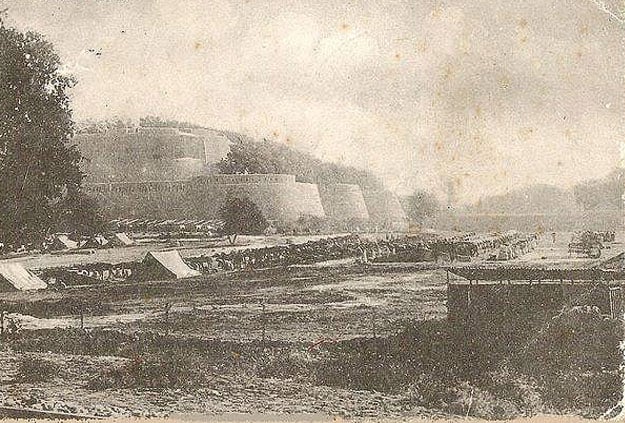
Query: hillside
593, 195
534, 199
591, 205
153, 149
604, 193
249, 156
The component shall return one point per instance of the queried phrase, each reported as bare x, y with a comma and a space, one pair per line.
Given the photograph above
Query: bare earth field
302, 308
243, 342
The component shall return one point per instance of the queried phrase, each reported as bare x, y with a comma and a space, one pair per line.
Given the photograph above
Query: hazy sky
490, 94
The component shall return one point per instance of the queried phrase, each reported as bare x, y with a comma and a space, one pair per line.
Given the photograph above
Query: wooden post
167, 308
375, 335
264, 323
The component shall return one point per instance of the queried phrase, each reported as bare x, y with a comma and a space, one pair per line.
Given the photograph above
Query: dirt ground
300, 307
303, 304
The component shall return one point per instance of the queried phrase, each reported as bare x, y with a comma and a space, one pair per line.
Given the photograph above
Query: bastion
343, 202
385, 210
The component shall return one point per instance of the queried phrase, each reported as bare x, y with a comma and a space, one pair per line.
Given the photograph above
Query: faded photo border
421, 96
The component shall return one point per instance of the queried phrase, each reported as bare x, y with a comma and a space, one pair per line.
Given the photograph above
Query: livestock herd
590, 243
391, 249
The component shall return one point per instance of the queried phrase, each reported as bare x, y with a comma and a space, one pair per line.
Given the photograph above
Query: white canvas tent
96, 241
62, 242
15, 276
167, 264
121, 239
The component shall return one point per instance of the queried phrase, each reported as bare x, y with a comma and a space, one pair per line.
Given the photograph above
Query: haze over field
485, 94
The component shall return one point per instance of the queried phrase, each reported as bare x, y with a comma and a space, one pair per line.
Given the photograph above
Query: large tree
241, 216
420, 205
39, 169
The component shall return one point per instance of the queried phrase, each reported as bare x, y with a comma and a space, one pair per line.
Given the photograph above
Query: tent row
64, 242
155, 265
167, 225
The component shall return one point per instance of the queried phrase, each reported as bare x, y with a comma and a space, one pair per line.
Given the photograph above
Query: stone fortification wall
216, 144
144, 154
154, 200
343, 202
385, 210
309, 200
279, 197
276, 200
256, 178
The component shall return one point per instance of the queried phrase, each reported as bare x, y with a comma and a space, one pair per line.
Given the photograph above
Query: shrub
285, 365
476, 402
431, 391
522, 390
32, 369
156, 372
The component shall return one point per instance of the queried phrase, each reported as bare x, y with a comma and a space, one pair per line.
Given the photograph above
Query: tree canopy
39, 169
420, 205
605, 193
249, 156
241, 216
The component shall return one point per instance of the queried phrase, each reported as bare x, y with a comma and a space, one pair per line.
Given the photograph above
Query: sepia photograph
300, 210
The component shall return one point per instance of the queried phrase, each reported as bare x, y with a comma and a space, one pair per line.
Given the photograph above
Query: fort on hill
139, 154
171, 173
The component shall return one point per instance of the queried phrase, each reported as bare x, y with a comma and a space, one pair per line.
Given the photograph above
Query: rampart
279, 197
309, 200
343, 202
385, 210
143, 154
152, 199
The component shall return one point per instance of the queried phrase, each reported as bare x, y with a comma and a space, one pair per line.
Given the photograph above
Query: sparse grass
571, 367
156, 371
33, 370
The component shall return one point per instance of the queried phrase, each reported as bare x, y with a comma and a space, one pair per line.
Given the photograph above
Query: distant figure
553, 237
